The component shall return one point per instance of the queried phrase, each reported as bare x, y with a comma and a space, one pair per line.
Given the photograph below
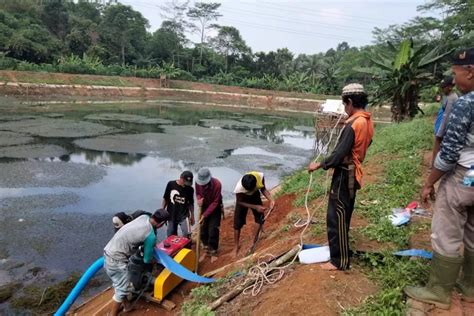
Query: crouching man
140, 231
248, 196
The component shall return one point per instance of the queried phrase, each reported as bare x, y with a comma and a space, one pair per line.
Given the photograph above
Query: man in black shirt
178, 200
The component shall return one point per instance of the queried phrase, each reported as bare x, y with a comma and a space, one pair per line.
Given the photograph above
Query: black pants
240, 213
340, 208
210, 229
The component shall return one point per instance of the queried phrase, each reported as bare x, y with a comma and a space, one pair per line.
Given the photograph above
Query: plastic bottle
469, 177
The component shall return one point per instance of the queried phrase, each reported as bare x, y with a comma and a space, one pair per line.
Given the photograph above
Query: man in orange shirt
346, 159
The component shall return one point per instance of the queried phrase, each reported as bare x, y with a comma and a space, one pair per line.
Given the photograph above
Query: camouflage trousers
453, 219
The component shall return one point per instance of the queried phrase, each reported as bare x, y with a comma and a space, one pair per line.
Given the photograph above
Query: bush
8, 63
26, 66
185, 75
198, 304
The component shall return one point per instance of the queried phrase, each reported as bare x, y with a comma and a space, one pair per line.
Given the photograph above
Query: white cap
353, 88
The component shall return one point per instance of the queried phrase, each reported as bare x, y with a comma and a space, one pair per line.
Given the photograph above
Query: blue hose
80, 285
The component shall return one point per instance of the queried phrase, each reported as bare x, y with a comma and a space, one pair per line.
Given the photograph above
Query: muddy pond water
64, 174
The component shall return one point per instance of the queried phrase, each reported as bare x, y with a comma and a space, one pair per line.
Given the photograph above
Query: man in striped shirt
140, 231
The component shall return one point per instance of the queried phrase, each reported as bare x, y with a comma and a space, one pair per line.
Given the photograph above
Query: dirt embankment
304, 289
54, 86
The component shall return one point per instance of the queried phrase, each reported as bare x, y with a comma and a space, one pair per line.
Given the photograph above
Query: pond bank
50, 87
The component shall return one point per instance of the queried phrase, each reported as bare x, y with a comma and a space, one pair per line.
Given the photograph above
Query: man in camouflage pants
453, 220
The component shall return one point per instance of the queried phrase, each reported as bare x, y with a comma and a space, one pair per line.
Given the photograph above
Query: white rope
262, 273
310, 183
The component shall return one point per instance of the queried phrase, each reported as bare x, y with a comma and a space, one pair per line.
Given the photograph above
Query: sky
302, 26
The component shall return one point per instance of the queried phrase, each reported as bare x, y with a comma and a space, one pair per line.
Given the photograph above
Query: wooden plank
105, 309
88, 301
165, 304
94, 304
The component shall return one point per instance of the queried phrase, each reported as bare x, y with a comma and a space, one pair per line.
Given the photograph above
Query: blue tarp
414, 253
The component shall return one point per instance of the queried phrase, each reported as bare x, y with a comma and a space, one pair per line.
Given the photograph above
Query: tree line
107, 37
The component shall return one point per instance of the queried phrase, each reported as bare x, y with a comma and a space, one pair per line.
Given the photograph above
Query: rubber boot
466, 284
443, 275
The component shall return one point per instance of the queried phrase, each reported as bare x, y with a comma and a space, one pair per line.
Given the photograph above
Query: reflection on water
250, 150
103, 158
304, 140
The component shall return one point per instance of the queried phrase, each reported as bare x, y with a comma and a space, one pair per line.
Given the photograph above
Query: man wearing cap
209, 199
123, 245
449, 97
178, 200
247, 195
120, 219
452, 226
346, 159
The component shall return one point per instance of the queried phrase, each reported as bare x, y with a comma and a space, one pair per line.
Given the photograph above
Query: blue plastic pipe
80, 285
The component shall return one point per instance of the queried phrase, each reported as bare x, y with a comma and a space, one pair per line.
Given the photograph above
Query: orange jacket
355, 139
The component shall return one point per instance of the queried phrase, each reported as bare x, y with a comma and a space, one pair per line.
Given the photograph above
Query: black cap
161, 215
464, 57
120, 219
447, 81
187, 176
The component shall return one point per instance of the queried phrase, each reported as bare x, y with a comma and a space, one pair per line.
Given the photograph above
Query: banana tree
170, 70
399, 73
295, 81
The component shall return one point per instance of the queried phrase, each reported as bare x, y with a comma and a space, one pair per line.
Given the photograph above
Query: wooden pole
236, 291
250, 257
198, 239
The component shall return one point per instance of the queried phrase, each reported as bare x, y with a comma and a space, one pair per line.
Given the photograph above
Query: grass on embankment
398, 148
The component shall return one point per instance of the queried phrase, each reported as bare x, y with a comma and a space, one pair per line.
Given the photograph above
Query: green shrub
197, 305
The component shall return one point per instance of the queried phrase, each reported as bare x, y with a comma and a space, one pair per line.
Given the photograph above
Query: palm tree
400, 73
329, 73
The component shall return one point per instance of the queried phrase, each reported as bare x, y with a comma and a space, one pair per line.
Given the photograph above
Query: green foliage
399, 186
122, 30
317, 229
403, 139
197, 305
400, 73
230, 43
45, 299
392, 274
431, 109
397, 146
298, 183
384, 231
110, 38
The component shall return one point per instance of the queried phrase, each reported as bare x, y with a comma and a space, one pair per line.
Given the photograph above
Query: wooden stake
165, 304
198, 239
